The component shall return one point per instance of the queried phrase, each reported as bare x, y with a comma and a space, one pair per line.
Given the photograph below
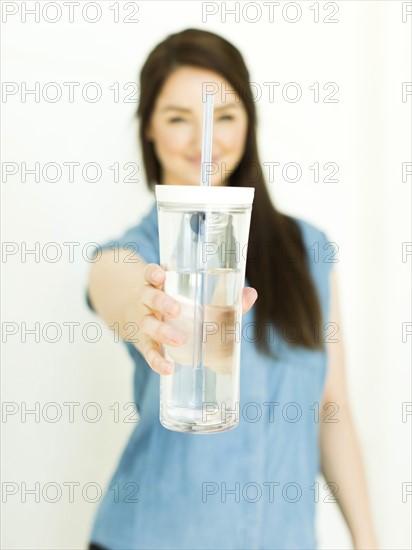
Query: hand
155, 332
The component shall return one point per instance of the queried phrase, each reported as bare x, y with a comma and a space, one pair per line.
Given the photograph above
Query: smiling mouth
198, 161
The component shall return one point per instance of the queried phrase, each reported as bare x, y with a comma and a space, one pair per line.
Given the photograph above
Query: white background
367, 213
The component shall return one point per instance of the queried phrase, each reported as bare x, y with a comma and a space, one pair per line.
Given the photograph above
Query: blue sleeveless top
251, 487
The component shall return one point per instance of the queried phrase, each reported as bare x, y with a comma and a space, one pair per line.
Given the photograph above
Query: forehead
189, 84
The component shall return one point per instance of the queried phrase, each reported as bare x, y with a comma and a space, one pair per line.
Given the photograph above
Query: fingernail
157, 276
171, 307
177, 337
168, 367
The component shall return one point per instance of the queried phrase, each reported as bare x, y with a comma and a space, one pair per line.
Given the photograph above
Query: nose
196, 138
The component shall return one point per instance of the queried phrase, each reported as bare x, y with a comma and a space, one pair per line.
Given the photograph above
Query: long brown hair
287, 295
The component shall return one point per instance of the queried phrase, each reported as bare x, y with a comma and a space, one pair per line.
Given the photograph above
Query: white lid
205, 194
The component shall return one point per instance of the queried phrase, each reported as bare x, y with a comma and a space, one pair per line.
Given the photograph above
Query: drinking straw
207, 140
200, 287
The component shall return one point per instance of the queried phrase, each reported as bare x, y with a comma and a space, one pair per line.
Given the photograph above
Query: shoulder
150, 216
141, 237
321, 250
321, 256
311, 233
147, 226
319, 247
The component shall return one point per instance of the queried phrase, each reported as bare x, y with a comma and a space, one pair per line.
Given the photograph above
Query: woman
254, 486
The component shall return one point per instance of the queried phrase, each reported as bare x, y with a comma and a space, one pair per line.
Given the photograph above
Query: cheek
173, 139
232, 136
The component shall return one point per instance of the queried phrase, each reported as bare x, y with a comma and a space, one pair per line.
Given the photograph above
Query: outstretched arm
341, 460
126, 294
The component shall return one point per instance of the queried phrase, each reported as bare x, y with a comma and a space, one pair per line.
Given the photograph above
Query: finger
155, 360
154, 275
249, 297
162, 332
159, 301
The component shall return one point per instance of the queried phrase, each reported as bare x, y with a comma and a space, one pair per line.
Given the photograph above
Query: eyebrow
185, 110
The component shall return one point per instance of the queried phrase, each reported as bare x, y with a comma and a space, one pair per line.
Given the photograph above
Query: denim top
251, 487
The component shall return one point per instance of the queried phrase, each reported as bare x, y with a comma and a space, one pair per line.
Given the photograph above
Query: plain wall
367, 213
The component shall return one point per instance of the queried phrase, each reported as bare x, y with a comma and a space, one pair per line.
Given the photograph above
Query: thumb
249, 297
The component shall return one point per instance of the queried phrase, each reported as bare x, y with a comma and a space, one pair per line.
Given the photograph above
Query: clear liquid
205, 383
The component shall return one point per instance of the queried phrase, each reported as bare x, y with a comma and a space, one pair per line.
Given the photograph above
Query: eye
226, 117
176, 119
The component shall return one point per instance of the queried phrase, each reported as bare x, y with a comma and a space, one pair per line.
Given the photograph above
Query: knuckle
149, 354
158, 301
140, 292
157, 362
154, 359
144, 322
162, 332
156, 346
148, 270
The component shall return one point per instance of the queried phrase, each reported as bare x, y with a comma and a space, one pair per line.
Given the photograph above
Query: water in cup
206, 378
203, 238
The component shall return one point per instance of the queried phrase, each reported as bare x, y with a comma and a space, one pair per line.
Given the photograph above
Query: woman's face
176, 127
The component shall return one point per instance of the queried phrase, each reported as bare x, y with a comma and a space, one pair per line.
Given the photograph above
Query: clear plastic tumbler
203, 237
